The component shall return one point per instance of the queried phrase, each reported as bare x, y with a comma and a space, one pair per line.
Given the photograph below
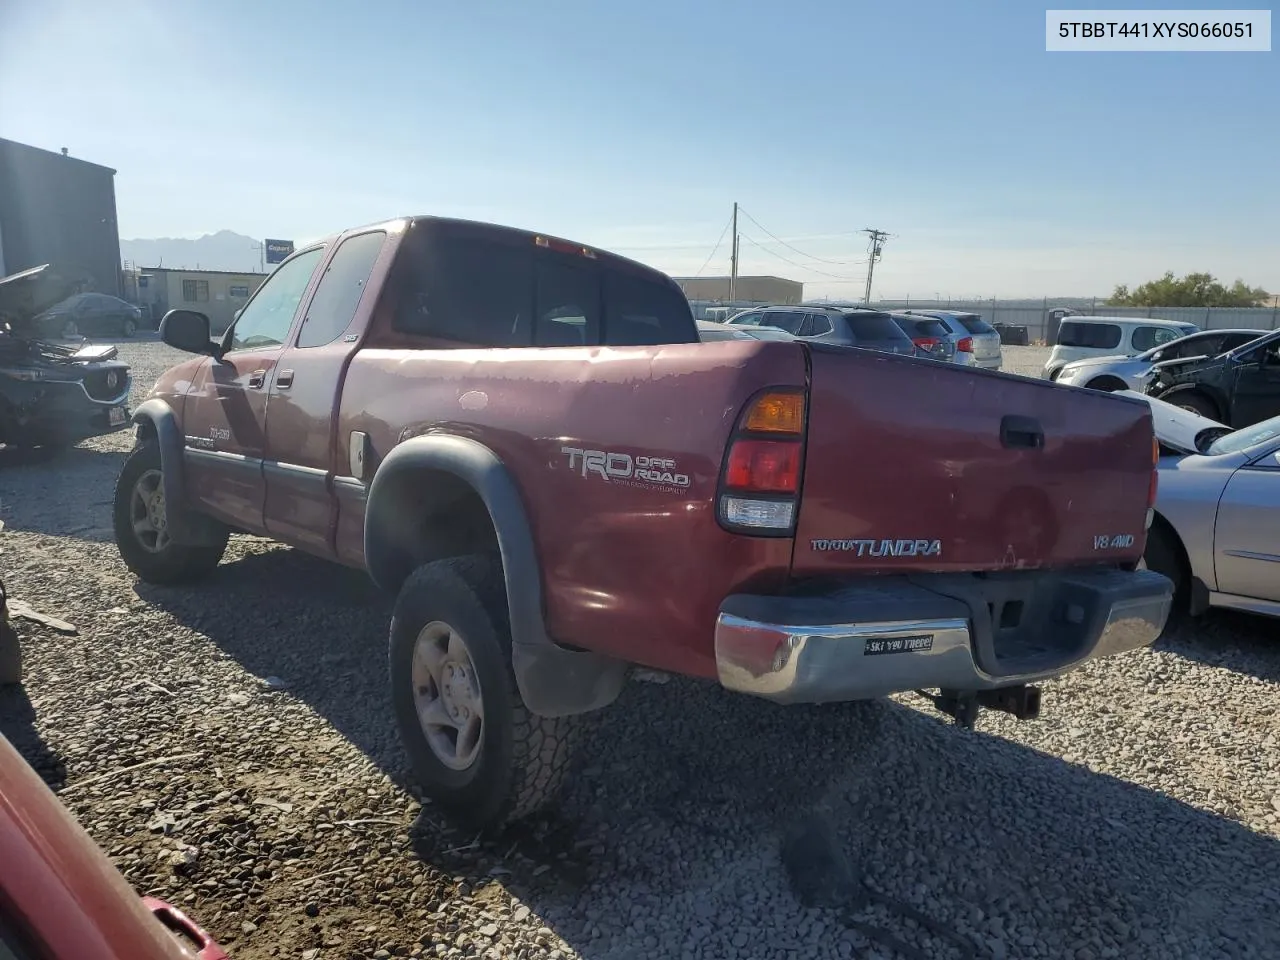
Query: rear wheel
474, 747
1196, 403
142, 526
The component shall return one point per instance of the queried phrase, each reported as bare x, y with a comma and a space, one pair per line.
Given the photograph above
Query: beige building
746, 289
216, 293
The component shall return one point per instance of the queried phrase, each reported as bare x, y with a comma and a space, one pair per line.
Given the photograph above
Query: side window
640, 313
266, 319
474, 291
1233, 340
747, 319
568, 306
819, 323
788, 320
340, 290
1144, 338
1094, 336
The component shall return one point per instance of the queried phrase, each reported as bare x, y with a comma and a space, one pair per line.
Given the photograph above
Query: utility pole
878, 237
733, 258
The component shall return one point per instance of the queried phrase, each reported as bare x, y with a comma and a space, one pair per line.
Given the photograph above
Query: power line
716, 248
794, 264
836, 263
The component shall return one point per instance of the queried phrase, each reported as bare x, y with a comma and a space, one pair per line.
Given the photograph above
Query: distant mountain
224, 250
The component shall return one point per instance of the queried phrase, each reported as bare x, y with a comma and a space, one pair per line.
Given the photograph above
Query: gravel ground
1138, 818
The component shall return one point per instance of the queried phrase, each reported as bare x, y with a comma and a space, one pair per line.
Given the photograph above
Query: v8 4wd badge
1120, 541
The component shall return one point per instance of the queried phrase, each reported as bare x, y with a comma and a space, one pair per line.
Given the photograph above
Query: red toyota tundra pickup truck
523, 439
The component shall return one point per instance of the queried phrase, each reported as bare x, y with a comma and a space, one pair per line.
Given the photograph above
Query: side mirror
187, 330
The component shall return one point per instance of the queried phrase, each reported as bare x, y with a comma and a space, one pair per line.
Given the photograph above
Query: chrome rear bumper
802, 650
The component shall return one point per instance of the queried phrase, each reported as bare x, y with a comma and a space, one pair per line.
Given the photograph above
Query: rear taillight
760, 482
965, 345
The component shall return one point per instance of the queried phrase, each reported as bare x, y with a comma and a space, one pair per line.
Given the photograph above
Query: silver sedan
1216, 529
1129, 373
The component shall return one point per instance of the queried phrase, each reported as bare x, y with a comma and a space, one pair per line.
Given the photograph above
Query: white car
1081, 338
1129, 373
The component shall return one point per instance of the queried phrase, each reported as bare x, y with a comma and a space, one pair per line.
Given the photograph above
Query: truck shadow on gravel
18, 726
703, 824
751, 826
61, 493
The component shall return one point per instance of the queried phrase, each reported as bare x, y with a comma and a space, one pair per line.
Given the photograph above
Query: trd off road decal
648, 472
880, 548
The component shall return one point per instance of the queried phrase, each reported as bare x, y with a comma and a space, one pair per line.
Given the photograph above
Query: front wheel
129, 328
474, 747
142, 527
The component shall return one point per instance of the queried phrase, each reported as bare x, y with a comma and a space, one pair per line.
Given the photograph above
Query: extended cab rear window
1095, 336
496, 293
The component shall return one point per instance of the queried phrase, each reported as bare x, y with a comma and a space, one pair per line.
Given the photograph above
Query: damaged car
53, 395
1238, 388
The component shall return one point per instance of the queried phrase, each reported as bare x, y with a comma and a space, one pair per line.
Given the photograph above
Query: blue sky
1000, 169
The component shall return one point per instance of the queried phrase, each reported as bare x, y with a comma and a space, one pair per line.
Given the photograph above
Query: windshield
1239, 440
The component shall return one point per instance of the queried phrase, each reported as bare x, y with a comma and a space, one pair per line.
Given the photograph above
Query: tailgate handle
1017, 431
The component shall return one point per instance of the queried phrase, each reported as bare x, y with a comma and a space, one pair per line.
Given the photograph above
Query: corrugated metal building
59, 210
747, 289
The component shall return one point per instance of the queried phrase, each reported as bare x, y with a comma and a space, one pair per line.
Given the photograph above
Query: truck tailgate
917, 465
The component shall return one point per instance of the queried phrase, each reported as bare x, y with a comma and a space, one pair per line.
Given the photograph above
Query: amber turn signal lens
776, 413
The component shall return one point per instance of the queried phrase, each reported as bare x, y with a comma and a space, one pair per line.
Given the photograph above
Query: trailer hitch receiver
1021, 701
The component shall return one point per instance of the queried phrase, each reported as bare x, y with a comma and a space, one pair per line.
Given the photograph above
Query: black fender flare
159, 417
553, 681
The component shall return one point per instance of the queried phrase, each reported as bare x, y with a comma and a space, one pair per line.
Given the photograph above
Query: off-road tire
176, 562
523, 758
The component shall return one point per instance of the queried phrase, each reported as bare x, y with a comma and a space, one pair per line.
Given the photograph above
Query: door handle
1019, 431
284, 379
257, 378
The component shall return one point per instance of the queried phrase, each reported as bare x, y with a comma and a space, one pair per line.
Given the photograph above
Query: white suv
1081, 338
